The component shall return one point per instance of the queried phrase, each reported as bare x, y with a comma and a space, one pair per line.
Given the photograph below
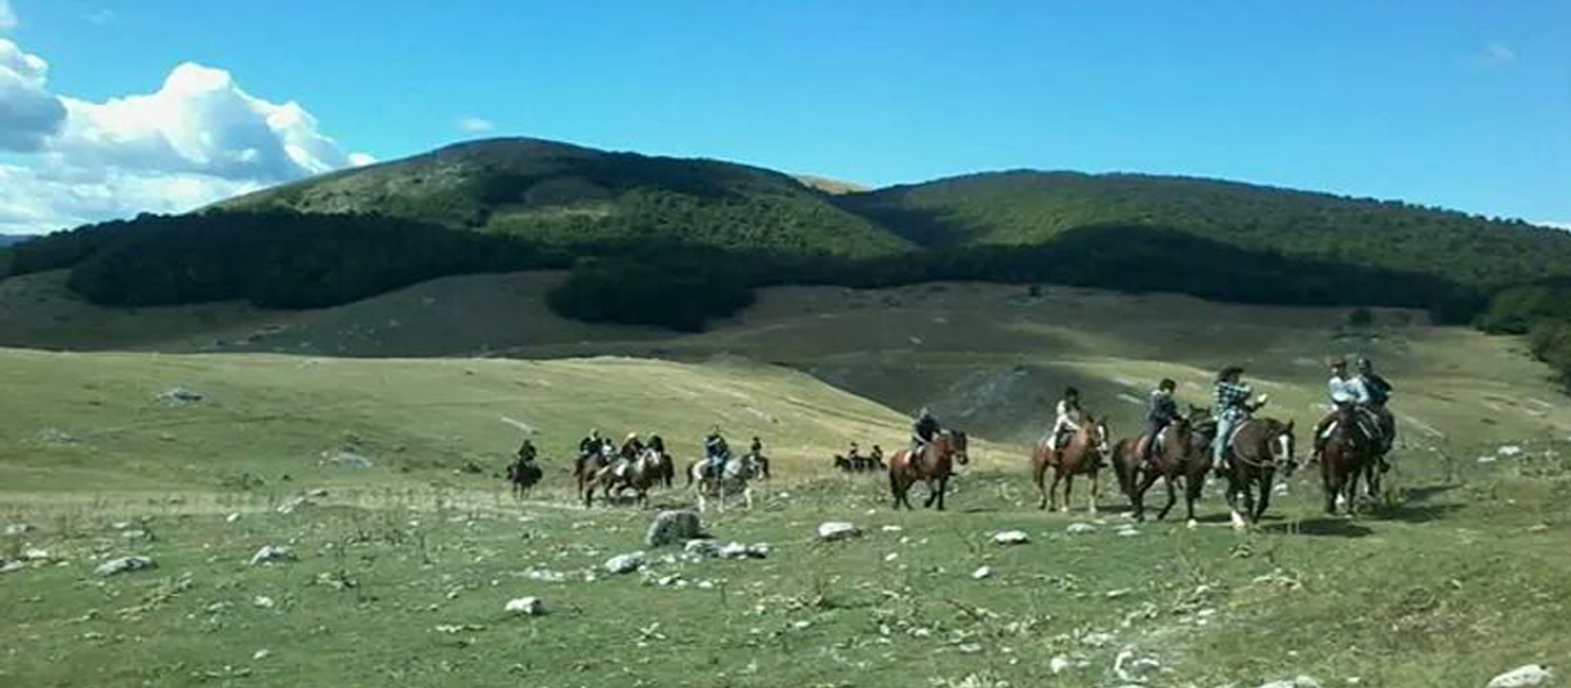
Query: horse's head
1282, 447
957, 445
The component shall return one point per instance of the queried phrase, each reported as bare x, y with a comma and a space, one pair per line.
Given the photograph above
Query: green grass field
404, 567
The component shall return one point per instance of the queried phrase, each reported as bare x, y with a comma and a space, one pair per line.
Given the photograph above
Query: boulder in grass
625, 563
526, 606
834, 531
125, 564
271, 554
674, 527
1524, 677
1011, 537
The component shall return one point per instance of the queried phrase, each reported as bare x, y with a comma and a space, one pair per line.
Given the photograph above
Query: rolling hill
563, 193
8, 239
1026, 207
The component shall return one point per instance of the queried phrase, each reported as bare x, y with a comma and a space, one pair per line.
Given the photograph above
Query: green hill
1029, 207
570, 194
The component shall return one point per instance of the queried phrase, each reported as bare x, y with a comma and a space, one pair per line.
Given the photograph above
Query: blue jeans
1224, 433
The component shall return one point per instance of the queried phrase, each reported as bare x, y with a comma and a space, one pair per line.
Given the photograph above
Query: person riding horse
1162, 411
1068, 420
876, 456
631, 447
590, 444
923, 430
1379, 394
1233, 408
716, 453
1352, 400
526, 452
757, 447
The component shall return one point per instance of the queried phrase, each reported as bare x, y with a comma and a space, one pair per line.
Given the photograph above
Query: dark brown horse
1185, 452
1259, 447
589, 465
523, 473
933, 466
1083, 454
1349, 452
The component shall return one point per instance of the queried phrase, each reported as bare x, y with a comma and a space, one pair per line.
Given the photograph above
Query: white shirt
1348, 391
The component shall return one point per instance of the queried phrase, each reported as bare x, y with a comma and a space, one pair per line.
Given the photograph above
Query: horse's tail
1124, 467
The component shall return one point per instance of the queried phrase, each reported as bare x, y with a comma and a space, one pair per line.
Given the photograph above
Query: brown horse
1185, 452
933, 466
1259, 447
589, 465
1349, 451
1083, 455
523, 473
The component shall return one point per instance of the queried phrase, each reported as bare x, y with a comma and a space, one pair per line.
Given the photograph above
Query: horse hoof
1192, 524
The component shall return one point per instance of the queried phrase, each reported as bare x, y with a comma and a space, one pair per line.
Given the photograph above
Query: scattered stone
1521, 677
758, 550
19, 528
264, 602
1128, 530
1080, 529
702, 548
293, 504
319, 493
526, 606
545, 576
260, 655
55, 436
272, 553
178, 396
1011, 537
232, 517
1115, 594
837, 530
1300, 681
734, 550
12, 566
1509, 450
1098, 639
625, 563
891, 529
673, 527
124, 564
891, 556
982, 573
344, 458
34, 555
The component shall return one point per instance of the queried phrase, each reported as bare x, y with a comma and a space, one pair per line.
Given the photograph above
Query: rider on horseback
716, 452
526, 452
1379, 394
923, 430
1233, 408
1351, 399
1068, 420
1162, 412
591, 444
632, 447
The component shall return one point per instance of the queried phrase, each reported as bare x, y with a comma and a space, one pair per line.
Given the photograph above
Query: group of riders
1359, 399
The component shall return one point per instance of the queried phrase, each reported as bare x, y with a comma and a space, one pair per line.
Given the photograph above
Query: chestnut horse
1348, 452
933, 466
1185, 452
590, 463
1259, 447
637, 474
1082, 455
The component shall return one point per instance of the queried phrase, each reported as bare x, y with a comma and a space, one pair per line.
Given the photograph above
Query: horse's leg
747, 497
1172, 497
1328, 482
1193, 485
1069, 486
1096, 487
1039, 476
1238, 491
1266, 477
943, 486
1052, 490
894, 489
1137, 496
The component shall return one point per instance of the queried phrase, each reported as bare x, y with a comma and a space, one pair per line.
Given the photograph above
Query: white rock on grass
1299, 681
231, 518
293, 504
125, 564
1080, 529
344, 458
1522, 677
526, 606
674, 527
1011, 537
19, 528
982, 573
272, 553
625, 563
178, 396
837, 530
702, 548
1127, 530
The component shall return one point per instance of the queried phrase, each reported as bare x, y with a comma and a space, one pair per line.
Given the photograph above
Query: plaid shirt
1232, 400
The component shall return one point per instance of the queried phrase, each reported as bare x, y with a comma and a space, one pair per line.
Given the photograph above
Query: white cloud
7, 16
1553, 223
28, 112
1496, 54
198, 139
475, 125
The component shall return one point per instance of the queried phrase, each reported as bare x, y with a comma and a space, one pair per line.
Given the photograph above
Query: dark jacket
1162, 409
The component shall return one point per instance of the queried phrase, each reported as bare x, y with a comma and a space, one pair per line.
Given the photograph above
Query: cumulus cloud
29, 114
198, 139
475, 125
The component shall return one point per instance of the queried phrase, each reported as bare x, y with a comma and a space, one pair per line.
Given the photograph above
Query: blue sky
1460, 104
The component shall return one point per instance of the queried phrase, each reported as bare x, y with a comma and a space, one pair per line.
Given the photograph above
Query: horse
522, 473
1259, 447
1083, 455
1349, 451
733, 478
1185, 452
757, 465
638, 474
590, 463
933, 466
664, 466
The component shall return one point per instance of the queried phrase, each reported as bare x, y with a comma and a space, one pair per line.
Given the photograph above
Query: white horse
733, 478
